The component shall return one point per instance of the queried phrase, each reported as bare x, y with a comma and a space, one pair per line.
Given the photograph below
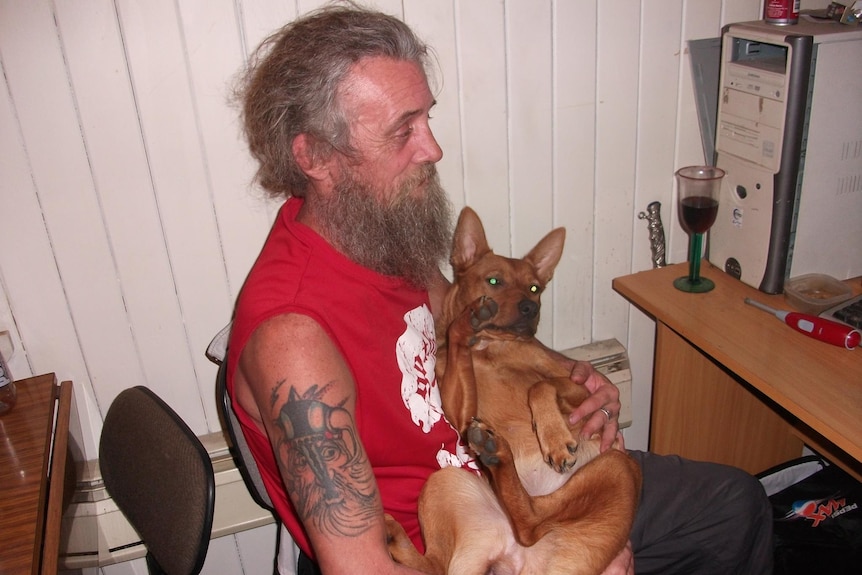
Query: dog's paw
395, 534
475, 317
484, 443
401, 547
564, 457
559, 447
482, 311
480, 314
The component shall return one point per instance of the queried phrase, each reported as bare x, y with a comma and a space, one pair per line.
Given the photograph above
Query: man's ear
309, 161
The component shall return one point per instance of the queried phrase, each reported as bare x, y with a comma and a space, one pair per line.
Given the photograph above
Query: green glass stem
696, 247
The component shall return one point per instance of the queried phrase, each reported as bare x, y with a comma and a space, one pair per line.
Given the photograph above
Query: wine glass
698, 188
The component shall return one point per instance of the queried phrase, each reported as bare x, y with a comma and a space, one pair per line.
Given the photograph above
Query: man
331, 357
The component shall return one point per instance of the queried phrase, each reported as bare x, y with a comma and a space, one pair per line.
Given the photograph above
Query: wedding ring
606, 412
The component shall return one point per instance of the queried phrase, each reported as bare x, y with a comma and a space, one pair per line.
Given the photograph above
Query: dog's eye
534, 288
494, 281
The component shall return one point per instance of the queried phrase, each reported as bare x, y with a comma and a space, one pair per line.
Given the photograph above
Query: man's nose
428, 150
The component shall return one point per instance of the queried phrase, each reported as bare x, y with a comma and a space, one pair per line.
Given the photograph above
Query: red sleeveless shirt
385, 332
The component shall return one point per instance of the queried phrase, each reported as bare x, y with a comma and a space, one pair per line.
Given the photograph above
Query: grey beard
407, 235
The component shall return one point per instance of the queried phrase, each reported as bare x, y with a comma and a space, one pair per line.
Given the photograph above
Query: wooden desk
735, 385
33, 444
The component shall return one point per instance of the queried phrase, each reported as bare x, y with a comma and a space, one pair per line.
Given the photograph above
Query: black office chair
161, 477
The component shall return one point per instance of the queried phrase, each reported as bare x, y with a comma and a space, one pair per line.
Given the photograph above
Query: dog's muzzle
529, 309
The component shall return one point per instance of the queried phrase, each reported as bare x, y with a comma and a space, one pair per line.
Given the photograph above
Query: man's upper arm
306, 397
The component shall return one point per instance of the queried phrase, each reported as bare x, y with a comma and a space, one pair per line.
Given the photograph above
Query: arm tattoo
324, 465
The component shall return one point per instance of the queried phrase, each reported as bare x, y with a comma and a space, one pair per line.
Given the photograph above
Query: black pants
700, 518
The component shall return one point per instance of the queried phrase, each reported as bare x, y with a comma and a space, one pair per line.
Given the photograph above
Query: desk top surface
816, 382
24, 439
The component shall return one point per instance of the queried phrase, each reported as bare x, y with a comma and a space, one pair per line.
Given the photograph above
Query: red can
781, 12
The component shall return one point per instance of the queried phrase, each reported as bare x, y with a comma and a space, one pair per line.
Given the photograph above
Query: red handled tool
816, 327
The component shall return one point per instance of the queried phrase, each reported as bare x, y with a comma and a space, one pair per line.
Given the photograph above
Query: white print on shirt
416, 353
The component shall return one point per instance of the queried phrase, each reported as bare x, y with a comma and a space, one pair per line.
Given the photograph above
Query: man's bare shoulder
289, 351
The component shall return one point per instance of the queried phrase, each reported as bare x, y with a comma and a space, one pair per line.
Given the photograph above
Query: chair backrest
239, 449
161, 477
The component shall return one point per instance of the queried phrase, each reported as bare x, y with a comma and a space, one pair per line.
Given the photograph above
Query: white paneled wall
128, 219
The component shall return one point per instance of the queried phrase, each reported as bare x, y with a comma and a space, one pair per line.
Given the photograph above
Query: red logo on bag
817, 511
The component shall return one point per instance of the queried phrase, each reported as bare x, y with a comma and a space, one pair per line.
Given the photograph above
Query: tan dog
561, 507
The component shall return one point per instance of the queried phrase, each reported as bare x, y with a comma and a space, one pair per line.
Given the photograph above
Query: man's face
386, 210
387, 103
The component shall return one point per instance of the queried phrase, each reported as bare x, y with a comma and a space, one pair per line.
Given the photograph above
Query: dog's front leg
547, 405
458, 384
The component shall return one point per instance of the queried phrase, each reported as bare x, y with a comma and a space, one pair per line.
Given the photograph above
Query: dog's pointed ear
469, 243
547, 253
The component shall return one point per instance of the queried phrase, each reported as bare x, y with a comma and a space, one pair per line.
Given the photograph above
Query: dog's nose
528, 308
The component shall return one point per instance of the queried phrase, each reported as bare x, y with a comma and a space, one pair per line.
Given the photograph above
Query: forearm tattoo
323, 464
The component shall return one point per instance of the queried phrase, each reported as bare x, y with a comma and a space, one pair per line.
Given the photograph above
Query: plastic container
815, 293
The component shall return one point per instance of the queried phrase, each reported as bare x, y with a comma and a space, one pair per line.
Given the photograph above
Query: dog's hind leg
603, 494
495, 453
403, 551
593, 511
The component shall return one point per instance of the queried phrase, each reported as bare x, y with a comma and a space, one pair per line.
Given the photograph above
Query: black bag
817, 518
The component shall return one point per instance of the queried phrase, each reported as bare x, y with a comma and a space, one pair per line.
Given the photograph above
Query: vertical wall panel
215, 52
574, 124
434, 22
701, 19
97, 69
33, 299
39, 322
482, 57
257, 549
529, 45
257, 19
744, 10
616, 127
223, 558
660, 62
156, 51
71, 214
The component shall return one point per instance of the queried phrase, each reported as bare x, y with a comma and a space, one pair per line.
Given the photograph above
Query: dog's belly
503, 406
539, 478
507, 419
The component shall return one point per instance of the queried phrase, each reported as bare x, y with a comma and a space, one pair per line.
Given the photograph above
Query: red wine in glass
698, 213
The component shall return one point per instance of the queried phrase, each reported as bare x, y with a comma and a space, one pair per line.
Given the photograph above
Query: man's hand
623, 564
601, 410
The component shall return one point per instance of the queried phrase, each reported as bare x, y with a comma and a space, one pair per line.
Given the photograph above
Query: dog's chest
502, 390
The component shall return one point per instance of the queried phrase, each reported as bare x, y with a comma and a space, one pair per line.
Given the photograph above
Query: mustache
420, 178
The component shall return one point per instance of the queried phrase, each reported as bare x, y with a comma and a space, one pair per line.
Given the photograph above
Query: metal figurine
656, 233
